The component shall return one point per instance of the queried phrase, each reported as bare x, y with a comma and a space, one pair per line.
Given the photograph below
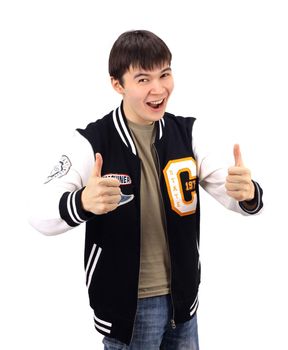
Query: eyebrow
141, 74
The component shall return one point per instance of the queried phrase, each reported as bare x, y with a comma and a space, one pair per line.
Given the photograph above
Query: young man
133, 177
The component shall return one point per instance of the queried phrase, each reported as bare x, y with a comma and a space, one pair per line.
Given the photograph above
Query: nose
157, 87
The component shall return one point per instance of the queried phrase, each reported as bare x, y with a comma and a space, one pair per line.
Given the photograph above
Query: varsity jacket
112, 241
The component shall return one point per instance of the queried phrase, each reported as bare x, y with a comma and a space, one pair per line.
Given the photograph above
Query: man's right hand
101, 195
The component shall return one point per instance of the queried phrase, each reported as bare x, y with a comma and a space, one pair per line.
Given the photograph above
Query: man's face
145, 93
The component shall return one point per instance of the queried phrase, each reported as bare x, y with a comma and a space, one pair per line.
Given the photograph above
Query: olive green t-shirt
154, 276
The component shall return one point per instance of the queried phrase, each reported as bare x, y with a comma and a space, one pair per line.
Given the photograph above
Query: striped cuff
256, 204
71, 209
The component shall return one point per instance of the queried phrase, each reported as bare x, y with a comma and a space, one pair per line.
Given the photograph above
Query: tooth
157, 102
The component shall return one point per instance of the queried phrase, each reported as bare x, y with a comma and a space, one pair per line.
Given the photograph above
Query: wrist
251, 202
83, 202
83, 198
251, 195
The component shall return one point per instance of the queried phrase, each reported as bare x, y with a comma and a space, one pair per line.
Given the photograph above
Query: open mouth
156, 104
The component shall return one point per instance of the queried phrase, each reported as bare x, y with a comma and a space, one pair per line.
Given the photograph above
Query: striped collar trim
161, 126
122, 128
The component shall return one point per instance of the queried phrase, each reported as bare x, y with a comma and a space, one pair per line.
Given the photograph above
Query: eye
143, 80
165, 75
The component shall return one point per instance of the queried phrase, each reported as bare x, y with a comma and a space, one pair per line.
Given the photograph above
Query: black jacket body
112, 244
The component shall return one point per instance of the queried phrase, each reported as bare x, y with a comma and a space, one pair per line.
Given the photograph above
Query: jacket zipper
133, 330
172, 321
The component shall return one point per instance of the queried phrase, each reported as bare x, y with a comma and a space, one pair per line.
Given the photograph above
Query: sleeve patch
60, 169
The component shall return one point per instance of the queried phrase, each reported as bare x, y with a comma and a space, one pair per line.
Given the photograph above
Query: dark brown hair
137, 48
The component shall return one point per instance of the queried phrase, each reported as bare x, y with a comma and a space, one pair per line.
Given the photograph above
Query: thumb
98, 165
237, 156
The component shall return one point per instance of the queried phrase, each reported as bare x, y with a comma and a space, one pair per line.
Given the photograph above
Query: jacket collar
121, 125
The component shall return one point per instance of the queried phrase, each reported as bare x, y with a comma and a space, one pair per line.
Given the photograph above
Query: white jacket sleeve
56, 206
212, 171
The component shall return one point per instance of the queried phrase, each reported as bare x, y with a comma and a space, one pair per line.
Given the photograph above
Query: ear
117, 86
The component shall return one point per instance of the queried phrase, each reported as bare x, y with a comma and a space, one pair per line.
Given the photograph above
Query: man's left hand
238, 182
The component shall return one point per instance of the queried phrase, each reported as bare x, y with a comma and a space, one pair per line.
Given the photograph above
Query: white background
230, 69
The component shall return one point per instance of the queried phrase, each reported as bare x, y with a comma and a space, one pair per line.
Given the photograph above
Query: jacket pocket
91, 264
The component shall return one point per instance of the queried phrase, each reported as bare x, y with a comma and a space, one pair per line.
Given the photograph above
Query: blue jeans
153, 331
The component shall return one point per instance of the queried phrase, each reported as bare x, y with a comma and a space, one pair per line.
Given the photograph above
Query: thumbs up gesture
101, 195
238, 182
